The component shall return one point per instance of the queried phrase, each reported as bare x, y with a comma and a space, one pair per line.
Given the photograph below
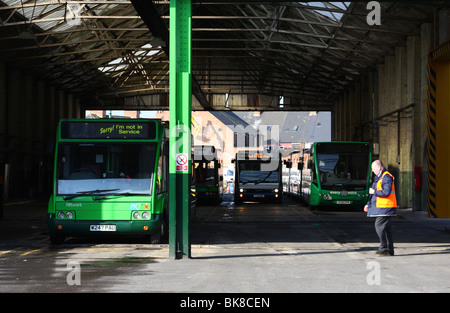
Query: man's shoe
383, 253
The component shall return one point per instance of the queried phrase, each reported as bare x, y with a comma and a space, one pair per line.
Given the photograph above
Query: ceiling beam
158, 28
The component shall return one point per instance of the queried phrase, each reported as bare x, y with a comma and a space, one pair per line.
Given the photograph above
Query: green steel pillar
180, 101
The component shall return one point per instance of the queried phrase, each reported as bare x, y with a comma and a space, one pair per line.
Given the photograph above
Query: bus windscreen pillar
180, 102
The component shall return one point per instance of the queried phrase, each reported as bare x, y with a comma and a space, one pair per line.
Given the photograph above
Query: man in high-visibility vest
382, 205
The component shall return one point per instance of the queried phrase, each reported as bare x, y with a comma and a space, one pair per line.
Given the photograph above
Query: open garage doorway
231, 132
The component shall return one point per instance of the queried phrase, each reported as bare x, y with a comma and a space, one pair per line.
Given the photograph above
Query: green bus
207, 172
110, 177
331, 174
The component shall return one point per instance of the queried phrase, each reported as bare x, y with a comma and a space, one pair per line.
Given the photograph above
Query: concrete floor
252, 248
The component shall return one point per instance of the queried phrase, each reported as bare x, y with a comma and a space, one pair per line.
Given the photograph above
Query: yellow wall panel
442, 70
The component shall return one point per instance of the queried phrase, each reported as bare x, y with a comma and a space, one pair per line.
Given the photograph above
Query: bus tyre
56, 239
165, 225
155, 238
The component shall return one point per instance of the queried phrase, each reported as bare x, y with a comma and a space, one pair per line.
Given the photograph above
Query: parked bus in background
207, 167
332, 174
110, 177
258, 176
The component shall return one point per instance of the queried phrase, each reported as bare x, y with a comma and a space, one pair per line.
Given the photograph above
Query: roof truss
297, 49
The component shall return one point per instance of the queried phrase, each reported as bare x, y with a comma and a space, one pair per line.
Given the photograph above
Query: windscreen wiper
88, 192
264, 179
114, 194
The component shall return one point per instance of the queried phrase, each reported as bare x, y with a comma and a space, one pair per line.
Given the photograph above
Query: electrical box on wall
376, 148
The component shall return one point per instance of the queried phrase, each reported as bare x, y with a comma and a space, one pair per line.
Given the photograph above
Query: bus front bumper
258, 196
76, 227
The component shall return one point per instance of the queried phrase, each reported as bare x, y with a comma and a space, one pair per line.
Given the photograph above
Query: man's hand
366, 208
371, 191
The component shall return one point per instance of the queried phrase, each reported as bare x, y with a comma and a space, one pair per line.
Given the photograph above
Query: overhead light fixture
157, 42
27, 35
281, 102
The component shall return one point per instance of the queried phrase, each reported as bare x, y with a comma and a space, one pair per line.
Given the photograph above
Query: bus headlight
60, 215
69, 215
137, 215
241, 190
275, 190
146, 215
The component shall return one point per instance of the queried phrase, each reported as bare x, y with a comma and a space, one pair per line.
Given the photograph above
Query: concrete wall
29, 113
388, 106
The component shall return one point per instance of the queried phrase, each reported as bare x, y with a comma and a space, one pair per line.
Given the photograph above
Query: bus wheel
165, 225
155, 238
56, 239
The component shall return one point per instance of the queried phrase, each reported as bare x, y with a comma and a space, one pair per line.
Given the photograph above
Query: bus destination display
108, 130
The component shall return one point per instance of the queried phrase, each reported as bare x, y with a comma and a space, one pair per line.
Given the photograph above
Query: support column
180, 102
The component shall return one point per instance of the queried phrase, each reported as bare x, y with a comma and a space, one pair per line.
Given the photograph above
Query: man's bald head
377, 167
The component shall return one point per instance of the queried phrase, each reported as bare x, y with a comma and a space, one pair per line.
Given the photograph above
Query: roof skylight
333, 10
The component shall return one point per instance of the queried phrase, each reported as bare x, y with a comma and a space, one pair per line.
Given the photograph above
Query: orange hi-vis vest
389, 201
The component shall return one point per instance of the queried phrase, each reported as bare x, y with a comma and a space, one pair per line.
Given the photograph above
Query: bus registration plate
102, 228
343, 202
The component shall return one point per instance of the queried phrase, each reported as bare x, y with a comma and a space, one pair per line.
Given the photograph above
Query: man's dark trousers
383, 228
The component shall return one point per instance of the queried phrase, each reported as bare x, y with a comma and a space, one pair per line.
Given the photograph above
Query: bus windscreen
118, 167
251, 172
343, 166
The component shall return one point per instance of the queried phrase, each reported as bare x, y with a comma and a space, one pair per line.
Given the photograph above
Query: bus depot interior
281, 80
113, 166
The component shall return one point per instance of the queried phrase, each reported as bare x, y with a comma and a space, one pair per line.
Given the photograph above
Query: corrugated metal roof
307, 50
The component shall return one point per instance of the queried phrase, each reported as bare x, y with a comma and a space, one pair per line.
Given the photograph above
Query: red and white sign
182, 162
